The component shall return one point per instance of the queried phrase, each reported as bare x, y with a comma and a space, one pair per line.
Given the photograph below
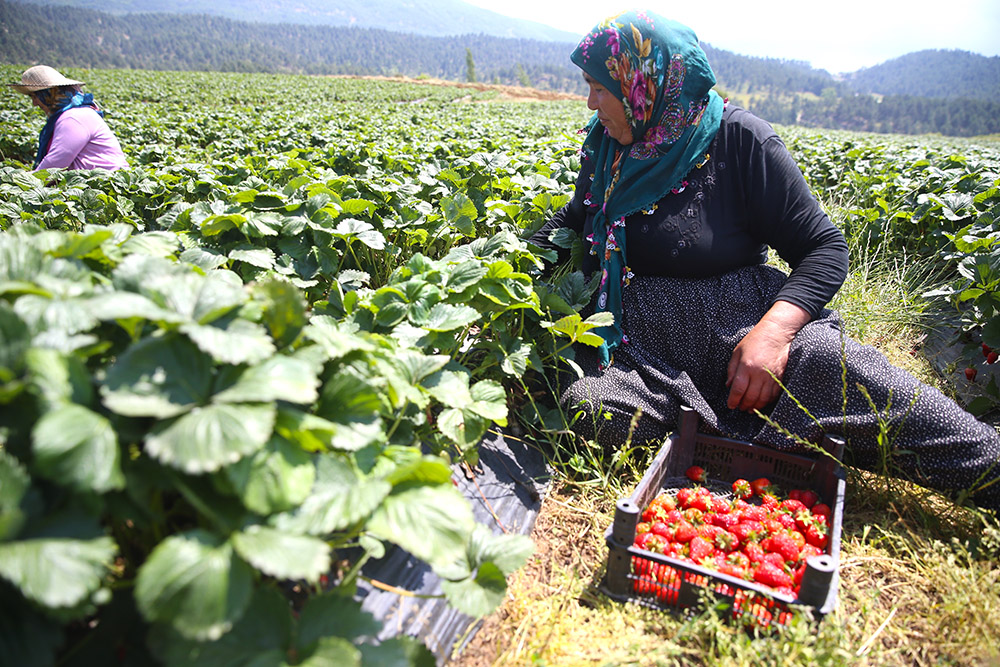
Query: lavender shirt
82, 140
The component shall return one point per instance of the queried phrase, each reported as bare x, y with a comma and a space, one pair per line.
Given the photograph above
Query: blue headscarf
664, 81
70, 101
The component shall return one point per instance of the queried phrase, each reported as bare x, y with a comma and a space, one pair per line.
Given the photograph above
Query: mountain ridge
435, 18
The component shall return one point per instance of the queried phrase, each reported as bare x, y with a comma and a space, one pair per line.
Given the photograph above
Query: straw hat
41, 77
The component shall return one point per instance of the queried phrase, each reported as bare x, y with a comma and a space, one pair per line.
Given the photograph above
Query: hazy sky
836, 35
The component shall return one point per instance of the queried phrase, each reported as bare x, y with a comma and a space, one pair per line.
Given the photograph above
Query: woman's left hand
765, 348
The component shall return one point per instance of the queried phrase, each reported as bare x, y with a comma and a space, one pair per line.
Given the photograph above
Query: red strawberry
809, 550
816, 535
775, 559
822, 510
643, 527
685, 532
684, 497
769, 500
992, 358
786, 520
741, 489
709, 531
726, 541
986, 350
771, 575
783, 544
696, 474
808, 498
703, 502
754, 513
661, 529
760, 485
747, 531
970, 374
754, 552
739, 559
732, 570
655, 543
694, 515
792, 506
700, 549
726, 521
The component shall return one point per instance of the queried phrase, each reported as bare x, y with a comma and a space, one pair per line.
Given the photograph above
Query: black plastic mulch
510, 483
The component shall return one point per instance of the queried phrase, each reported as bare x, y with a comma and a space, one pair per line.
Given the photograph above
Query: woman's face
36, 100
610, 111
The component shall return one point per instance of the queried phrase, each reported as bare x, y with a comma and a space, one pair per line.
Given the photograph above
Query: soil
505, 93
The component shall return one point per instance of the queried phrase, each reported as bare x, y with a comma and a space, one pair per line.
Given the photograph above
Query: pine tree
470, 66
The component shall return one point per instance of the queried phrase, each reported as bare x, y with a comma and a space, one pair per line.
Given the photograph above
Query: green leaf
284, 310
330, 651
275, 479
58, 377
15, 339
451, 388
337, 338
507, 552
461, 212
260, 257
195, 583
348, 397
479, 595
279, 378
261, 638
208, 438
334, 615
422, 470
65, 316
462, 426
14, 484
158, 377
448, 317
432, 523
152, 244
489, 401
121, 305
339, 498
236, 342
78, 448
55, 571
204, 258
464, 275
397, 652
357, 206
352, 228
200, 298
283, 555
27, 637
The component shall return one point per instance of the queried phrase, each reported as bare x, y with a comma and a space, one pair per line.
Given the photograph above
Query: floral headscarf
665, 84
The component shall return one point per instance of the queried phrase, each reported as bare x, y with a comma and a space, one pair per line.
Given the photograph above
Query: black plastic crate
656, 580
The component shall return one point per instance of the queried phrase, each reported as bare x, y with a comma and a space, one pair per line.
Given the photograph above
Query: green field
262, 345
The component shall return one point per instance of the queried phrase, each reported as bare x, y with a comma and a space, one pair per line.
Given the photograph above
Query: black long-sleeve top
748, 196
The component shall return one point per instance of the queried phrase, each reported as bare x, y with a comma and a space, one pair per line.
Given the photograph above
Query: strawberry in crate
755, 534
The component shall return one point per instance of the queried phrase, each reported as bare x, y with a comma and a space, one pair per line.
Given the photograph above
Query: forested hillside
933, 73
65, 36
785, 92
422, 17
